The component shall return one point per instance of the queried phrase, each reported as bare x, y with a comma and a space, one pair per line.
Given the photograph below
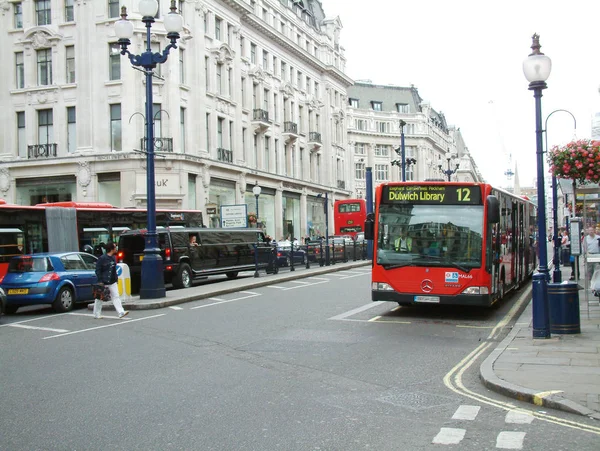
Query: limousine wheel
183, 279
232, 274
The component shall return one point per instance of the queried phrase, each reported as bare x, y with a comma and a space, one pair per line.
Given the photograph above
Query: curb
251, 283
542, 399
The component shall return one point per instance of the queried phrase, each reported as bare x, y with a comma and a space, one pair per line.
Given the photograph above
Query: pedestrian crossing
468, 413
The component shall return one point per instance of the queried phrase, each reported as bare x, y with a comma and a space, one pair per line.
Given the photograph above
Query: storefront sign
163, 183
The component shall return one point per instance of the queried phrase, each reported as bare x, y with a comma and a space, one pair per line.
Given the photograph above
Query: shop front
40, 190
291, 216
266, 208
221, 192
315, 216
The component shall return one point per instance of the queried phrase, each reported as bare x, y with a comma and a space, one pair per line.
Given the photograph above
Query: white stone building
255, 93
374, 115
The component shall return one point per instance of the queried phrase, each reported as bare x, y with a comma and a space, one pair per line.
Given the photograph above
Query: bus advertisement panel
349, 216
449, 243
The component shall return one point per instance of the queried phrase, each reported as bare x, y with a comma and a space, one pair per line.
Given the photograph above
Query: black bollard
256, 261
307, 256
292, 256
321, 259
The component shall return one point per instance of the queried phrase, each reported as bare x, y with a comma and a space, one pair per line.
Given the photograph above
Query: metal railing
290, 127
341, 184
160, 144
260, 115
225, 155
314, 137
42, 150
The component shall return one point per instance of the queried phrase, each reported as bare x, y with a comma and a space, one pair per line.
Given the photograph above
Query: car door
88, 277
73, 271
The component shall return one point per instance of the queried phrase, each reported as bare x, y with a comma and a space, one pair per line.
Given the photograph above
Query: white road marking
358, 310
223, 301
33, 319
276, 286
24, 326
352, 275
319, 278
336, 274
102, 327
466, 413
510, 440
301, 282
91, 315
216, 299
449, 436
516, 417
173, 307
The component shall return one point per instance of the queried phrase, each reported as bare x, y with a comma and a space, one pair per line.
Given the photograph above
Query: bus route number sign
431, 194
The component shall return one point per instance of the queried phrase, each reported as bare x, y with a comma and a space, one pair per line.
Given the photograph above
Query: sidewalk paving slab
562, 372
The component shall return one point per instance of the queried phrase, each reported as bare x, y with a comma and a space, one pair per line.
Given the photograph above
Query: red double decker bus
349, 216
449, 243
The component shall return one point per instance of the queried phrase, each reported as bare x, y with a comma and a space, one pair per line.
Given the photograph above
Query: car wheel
11, 309
232, 274
183, 279
64, 300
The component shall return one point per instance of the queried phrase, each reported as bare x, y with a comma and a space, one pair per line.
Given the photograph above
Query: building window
266, 100
114, 61
43, 12
353, 103
181, 67
113, 8
157, 119
206, 74
244, 152
360, 124
299, 79
277, 169
253, 53
45, 127
155, 47
21, 139
265, 61
205, 19
44, 61
220, 122
71, 130
218, 24
255, 151
231, 137
70, 63
382, 127
359, 149
207, 132
182, 128
381, 172
381, 151
275, 107
18, 18
243, 86
242, 45
266, 158
69, 17
19, 70
283, 70
359, 172
230, 82
377, 106
115, 127
219, 78
402, 108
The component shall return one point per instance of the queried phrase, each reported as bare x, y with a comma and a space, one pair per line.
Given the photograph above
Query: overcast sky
465, 57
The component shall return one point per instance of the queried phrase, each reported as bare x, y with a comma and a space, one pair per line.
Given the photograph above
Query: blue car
284, 254
60, 279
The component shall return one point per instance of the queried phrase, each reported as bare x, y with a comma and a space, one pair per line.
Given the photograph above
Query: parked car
2, 302
340, 247
60, 279
284, 254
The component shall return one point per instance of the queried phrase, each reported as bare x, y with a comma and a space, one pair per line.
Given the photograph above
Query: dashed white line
223, 301
102, 327
216, 299
173, 307
449, 436
24, 326
516, 417
301, 282
510, 440
279, 287
358, 310
466, 413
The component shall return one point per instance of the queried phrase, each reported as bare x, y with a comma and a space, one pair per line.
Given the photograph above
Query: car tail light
168, 253
2, 278
169, 268
279, 254
49, 276
120, 256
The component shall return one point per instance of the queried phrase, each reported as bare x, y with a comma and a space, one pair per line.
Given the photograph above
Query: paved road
309, 364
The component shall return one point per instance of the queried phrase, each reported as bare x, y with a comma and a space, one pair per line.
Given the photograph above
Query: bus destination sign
431, 194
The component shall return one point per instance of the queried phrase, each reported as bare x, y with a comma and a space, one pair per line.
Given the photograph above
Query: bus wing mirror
369, 226
493, 209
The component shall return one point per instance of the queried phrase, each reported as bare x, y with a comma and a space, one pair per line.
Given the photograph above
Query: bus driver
403, 243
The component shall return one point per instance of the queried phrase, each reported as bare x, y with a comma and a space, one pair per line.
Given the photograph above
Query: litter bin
563, 300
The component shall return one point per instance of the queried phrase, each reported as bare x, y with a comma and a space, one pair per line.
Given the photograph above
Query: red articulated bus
449, 243
349, 216
69, 226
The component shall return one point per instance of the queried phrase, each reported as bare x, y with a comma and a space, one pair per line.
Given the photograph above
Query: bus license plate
429, 299
18, 291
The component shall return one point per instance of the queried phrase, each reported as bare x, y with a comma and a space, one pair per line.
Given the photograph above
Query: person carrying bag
106, 288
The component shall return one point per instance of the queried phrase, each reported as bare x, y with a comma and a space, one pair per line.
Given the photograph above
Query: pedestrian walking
106, 271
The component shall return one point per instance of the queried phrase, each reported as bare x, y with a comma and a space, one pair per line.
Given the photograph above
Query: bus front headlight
381, 286
476, 290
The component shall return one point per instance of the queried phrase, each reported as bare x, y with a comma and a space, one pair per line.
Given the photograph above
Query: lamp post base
153, 279
541, 314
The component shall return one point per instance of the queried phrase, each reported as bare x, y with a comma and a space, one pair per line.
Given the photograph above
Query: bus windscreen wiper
396, 265
439, 261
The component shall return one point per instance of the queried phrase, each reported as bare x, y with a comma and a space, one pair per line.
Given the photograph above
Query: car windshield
29, 264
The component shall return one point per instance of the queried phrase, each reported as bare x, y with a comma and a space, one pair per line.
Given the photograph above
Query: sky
465, 57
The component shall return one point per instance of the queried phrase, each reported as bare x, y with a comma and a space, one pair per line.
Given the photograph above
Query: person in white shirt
591, 245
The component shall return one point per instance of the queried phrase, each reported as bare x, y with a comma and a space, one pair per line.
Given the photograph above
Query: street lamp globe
537, 66
256, 190
123, 27
148, 8
173, 21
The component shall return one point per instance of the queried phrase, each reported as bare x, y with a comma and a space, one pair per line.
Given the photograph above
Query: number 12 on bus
449, 243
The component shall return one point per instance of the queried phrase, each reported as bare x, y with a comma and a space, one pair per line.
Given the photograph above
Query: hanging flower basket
577, 160
251, 218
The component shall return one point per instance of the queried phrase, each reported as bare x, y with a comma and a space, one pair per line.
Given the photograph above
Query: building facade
432, 148
255, 93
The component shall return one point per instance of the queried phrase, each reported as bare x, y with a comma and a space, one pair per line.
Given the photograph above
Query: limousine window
180, 239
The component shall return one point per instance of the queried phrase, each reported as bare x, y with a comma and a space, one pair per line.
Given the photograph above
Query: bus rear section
349, 216
441, 243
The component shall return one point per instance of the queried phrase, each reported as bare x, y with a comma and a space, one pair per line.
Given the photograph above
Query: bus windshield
430, 235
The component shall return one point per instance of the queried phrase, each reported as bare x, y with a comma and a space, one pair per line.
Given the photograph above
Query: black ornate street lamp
537, 69
556, 274
256, 190
326, 208
152, 283
448, 172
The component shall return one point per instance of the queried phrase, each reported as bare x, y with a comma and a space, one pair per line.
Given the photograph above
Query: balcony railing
260, 115
42, 150
341, 184
314, 137
160, 144
225, 155
290, 127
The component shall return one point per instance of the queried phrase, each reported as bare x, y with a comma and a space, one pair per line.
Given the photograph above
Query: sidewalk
225, 286
562, 372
